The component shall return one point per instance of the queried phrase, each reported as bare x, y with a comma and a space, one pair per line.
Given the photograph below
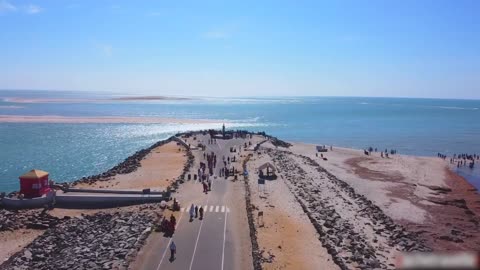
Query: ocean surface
71, 151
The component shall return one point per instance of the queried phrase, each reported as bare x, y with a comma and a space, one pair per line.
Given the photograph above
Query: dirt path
286, 237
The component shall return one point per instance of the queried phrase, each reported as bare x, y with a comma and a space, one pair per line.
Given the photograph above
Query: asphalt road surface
201, 244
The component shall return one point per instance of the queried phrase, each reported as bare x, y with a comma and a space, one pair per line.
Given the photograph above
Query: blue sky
243, 48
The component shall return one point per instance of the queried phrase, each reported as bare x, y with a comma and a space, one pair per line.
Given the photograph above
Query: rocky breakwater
26, 219
355, 232
100, 241
257, 255
188, 165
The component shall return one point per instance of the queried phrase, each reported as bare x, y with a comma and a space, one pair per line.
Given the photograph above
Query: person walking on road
192, 210
173, 251
205, 188
196, 211
209, 185
201, 212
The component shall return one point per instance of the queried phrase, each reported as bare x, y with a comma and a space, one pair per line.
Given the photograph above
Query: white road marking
198, 235
211, 208
224, 234
169, 241
182, 209
205, 208
223, 208
228, 210
216, 208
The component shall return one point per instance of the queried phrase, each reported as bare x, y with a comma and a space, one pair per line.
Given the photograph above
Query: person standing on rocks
173, 251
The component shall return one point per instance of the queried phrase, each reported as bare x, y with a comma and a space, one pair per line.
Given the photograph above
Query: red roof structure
34, 184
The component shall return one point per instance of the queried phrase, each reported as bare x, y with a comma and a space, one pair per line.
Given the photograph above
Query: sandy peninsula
332, 210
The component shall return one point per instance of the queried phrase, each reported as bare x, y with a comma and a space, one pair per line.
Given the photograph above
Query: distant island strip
99, 119
92, 100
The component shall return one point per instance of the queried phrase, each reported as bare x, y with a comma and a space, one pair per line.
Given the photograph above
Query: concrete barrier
82, 200
112, 191
89, 200
182, 142
14, 203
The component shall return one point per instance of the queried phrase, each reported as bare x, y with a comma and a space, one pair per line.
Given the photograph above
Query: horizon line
247, 96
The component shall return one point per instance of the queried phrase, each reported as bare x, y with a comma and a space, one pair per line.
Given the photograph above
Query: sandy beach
420, 193
157, 171
98, 120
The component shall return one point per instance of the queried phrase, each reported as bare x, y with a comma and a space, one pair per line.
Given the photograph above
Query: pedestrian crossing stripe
210, 208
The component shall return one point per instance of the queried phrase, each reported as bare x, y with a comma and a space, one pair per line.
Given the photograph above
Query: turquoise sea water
70, 151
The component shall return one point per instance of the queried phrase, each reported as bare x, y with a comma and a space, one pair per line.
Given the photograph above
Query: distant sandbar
98, 119
91, 100
150, 98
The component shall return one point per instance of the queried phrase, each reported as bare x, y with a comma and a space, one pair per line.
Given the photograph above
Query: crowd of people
196, 212
383, 154
461, 160
205, 173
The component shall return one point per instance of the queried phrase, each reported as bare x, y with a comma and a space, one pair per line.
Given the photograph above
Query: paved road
201, 244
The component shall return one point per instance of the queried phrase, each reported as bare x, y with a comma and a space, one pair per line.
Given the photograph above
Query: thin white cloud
73, 6
225, 31
6, 6
216, 34
155, 14
101, 48
106, 49
33, 9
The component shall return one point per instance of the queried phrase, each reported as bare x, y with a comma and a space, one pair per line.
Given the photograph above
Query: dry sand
158, 169
98, 119
12, 242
